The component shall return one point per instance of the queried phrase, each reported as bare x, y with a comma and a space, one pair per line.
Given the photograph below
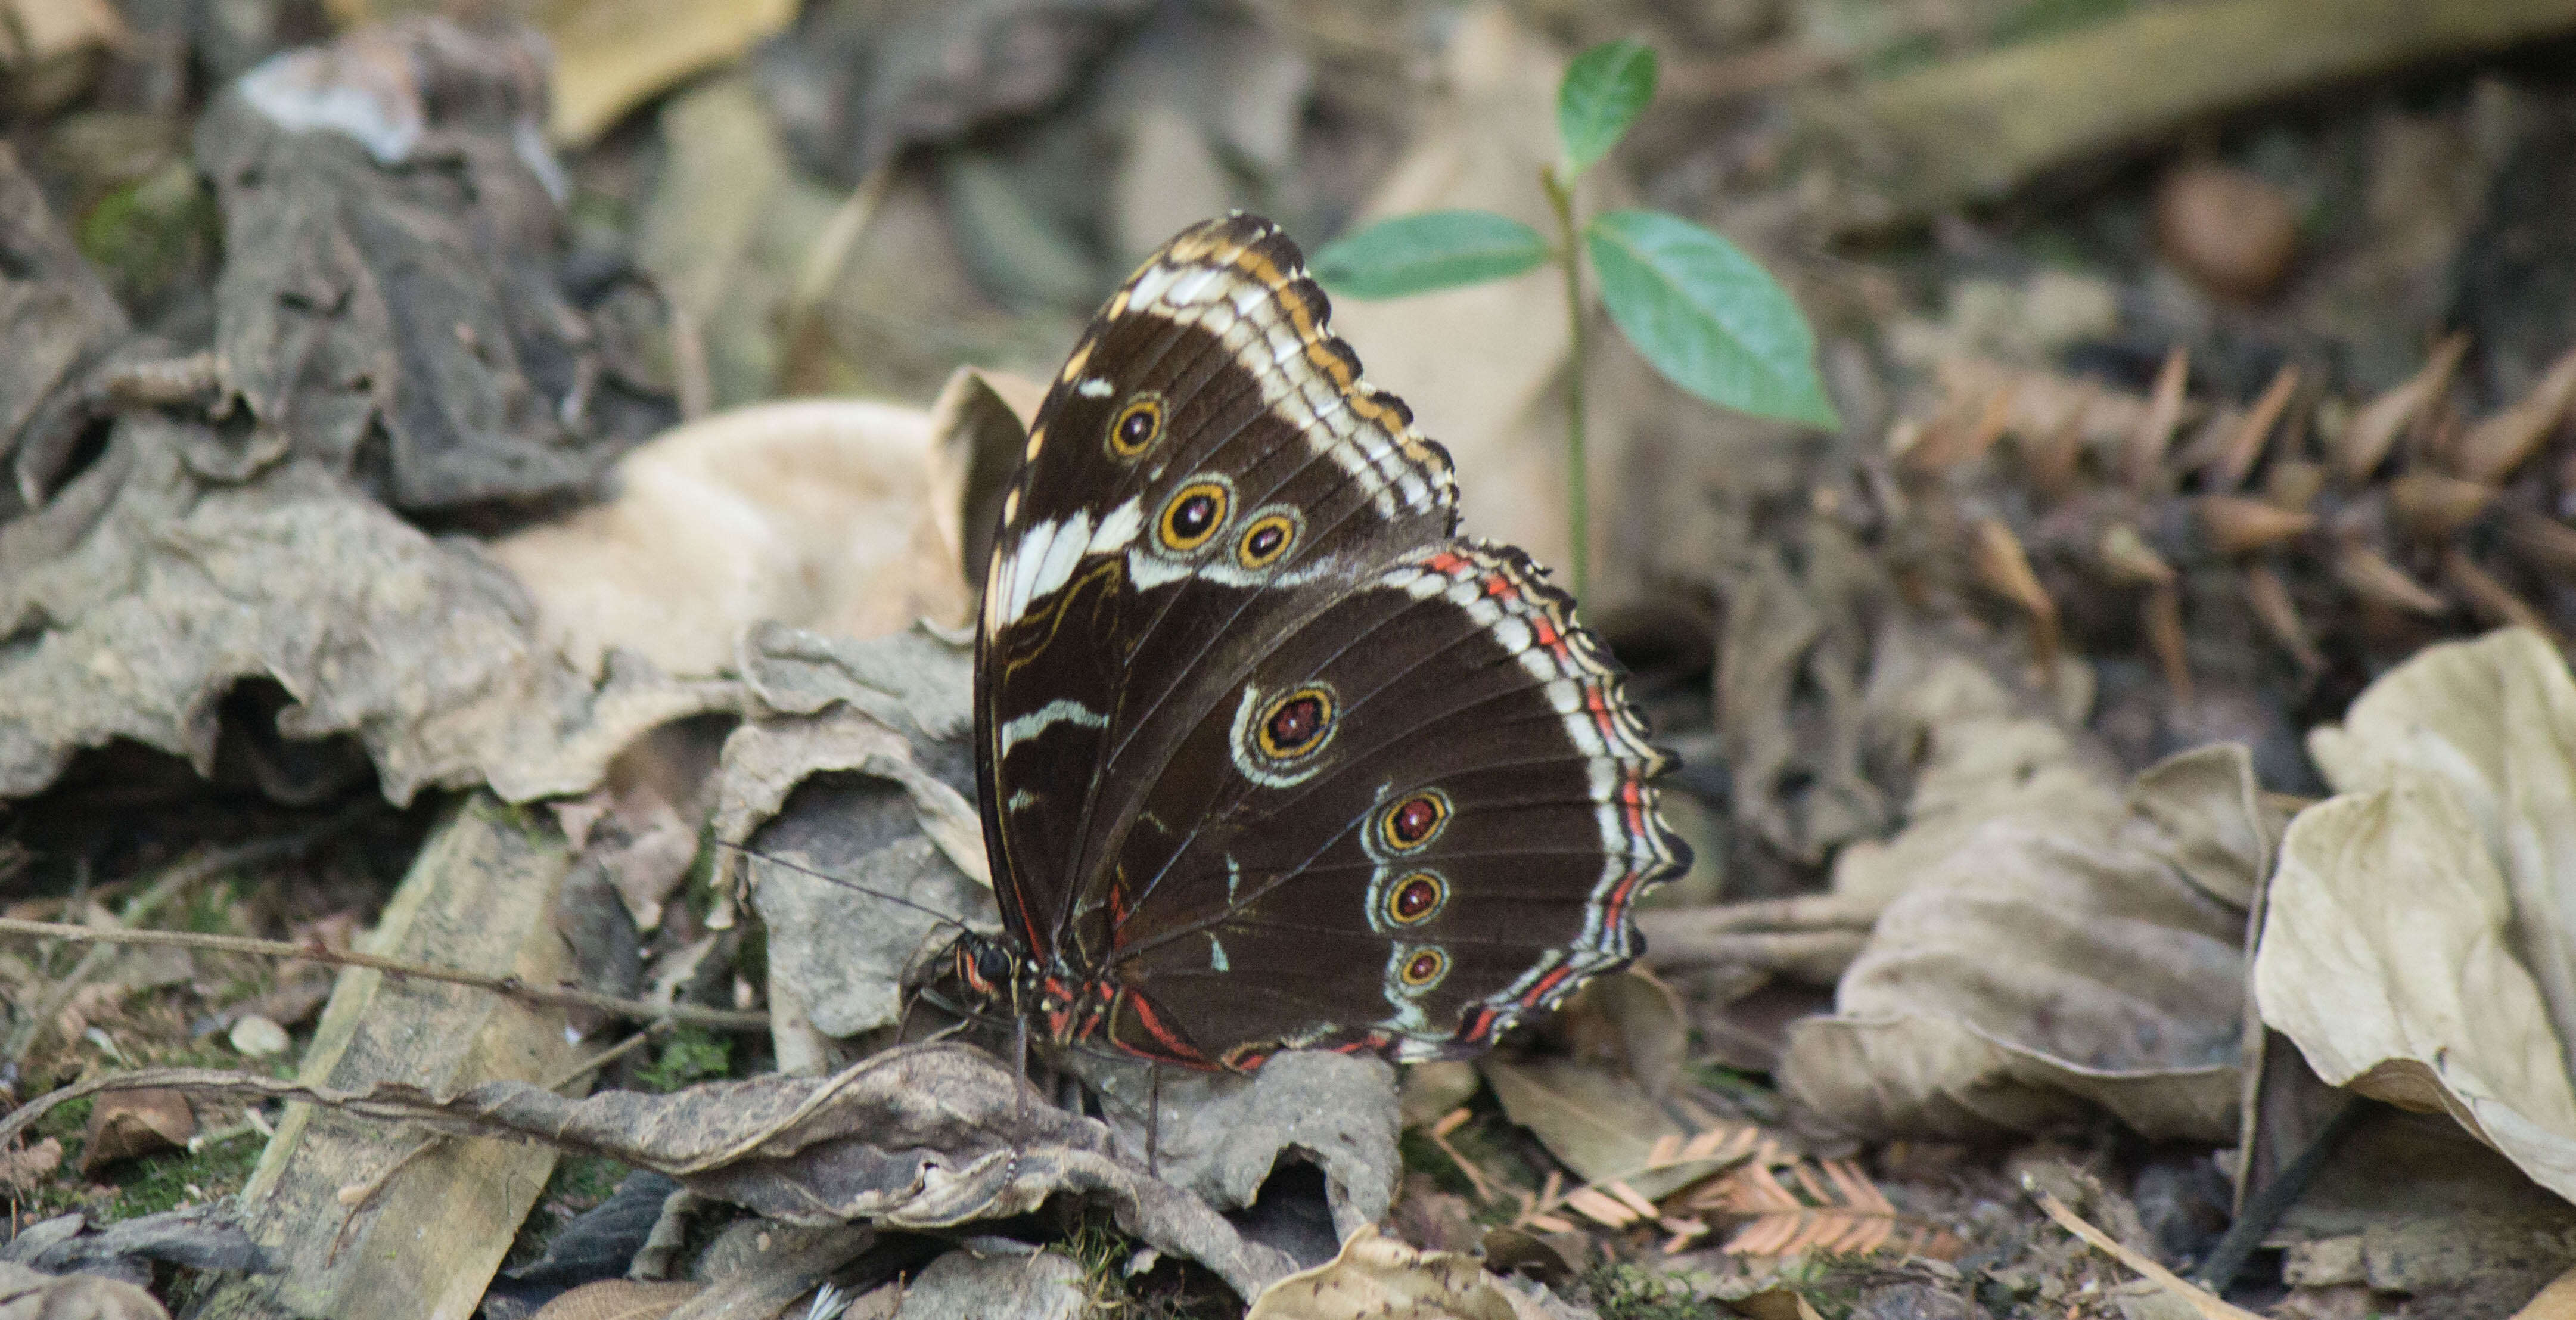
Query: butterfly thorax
999, 981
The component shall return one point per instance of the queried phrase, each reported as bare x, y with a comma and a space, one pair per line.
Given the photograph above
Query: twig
552, 996
177, 877
2209, 1306
2265, 1207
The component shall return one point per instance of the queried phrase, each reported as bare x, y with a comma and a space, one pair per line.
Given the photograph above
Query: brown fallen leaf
132, 1123
179, 586
813, 514
2126, 918
23, 1168
28, 1295
1376, 1275
358, 301
923, 1136
619, 1299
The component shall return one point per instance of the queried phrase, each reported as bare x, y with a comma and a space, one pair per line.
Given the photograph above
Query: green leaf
1603, 92
1708, 316
1433, 250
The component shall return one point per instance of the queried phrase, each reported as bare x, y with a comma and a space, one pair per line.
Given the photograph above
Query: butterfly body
1269, 757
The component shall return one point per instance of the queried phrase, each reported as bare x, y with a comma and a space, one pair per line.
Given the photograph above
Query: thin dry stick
724, 1019
2210, 1307
177, 877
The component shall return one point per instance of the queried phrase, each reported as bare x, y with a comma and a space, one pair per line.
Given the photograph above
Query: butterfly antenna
853, 886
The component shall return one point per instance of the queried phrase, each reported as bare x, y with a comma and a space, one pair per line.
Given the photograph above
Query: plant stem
1578, 498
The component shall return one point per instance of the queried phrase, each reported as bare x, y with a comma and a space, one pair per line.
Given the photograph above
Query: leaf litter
2012, 678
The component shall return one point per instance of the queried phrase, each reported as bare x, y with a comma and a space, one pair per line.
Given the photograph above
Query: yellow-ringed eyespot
1295, 725
1423, 968
1416, 898
1267, 539
1193, 515
1136, 426
1411, 825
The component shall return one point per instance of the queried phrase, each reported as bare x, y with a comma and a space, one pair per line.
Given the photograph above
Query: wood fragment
2161, 616
2371, 577
2498, 445
2488, 597
1996, 557
2435, 507
479, 897
2245, 445
2129, 559
2373, 431
2542, 540
2142, 459
2236, 525
2270, 600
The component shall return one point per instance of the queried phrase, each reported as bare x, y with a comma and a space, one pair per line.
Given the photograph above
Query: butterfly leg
1154, 1119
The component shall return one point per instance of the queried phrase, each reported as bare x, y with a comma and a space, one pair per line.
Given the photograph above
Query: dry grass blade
2245, 445
2543, 540
1603, 1209
2199, 1299
2374, 430
2499, 444
2128, 558
2142, 460
1613, 1203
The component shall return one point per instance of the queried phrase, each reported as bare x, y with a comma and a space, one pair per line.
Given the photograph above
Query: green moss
689, 1053
150, 1184
146, 234
1621, 1291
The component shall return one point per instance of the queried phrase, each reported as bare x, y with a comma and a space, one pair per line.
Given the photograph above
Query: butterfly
1269, 758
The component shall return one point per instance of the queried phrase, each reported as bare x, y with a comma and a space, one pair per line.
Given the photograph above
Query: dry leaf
56, 319
613, 55
408, 332
132, 1123
619, 1299
2419, 937
967, 1285
28, 1295
923, 1136
811, 514
182, 586
1222, 1135
2124, 986
1379, 1276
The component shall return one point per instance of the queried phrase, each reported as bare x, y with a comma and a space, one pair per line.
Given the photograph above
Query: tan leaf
619, 1299
2421, 942
1380, 1276
811, 514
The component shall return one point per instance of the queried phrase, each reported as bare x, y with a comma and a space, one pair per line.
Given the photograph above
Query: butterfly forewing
1267, 756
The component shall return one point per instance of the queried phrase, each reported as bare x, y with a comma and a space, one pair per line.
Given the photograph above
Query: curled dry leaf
966, 1285
56, 319
1221, 1135
2420, 943
854, 791
920, 1137
360, 298
207, 1236
1376, 1275
816, 514
182, 585
1789, 680
2126, 920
